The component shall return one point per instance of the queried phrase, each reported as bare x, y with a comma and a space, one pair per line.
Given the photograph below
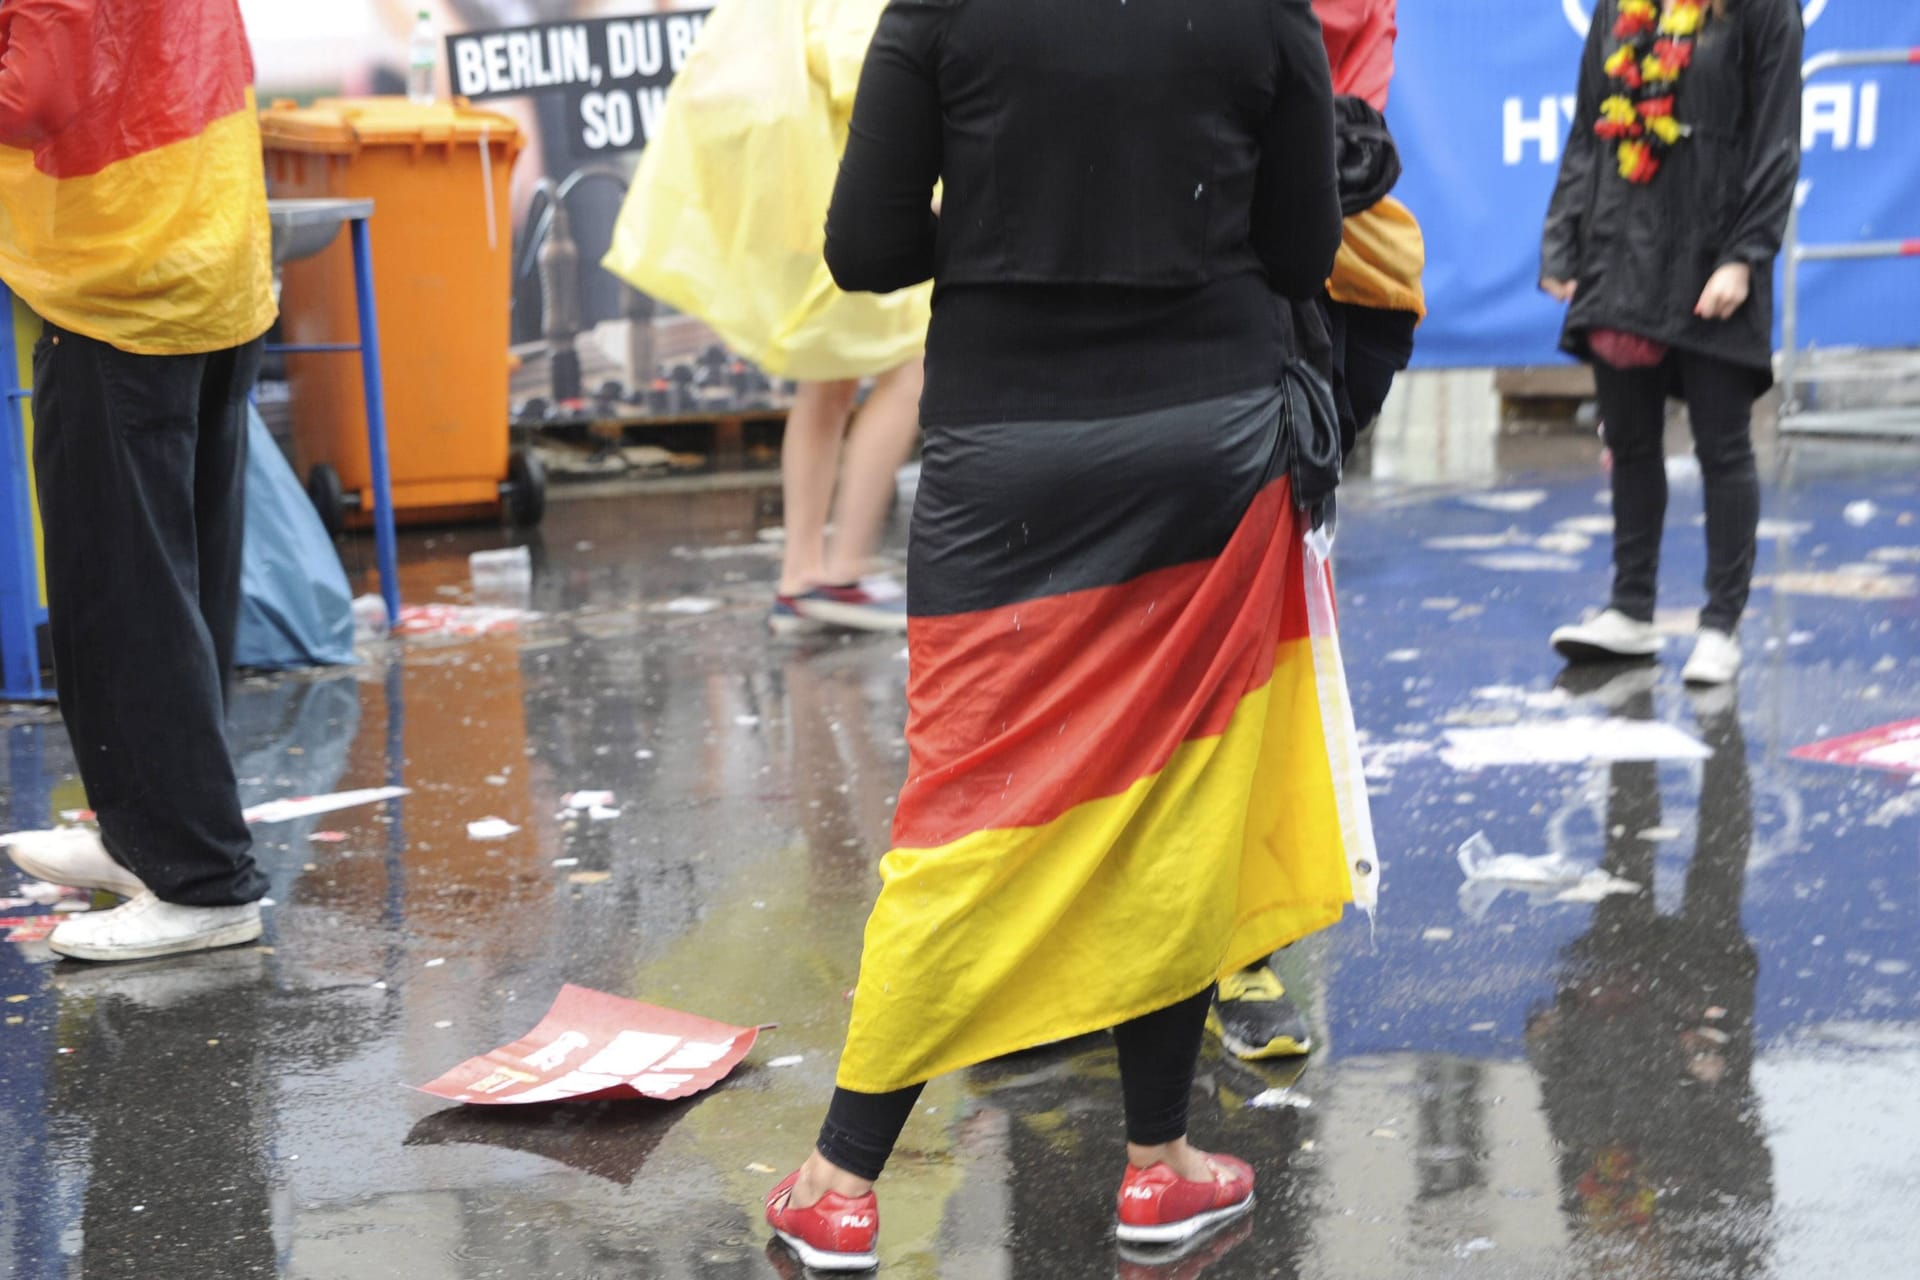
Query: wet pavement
1708, 1078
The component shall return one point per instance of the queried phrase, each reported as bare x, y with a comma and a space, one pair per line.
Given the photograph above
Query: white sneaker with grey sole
146, 927
1611, 637
71, 856
1715, 660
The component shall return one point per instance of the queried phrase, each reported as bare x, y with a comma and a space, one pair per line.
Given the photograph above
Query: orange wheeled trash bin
439, 177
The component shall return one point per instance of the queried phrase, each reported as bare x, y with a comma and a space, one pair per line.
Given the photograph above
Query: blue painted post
386, 546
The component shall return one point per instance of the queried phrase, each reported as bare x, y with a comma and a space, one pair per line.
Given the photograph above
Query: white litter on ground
1526, 562
1548, 878
490, 829
1510, 500
1577, 740
581, 801
1280, 1099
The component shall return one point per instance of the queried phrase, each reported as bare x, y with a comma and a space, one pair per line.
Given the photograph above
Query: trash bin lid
341, 126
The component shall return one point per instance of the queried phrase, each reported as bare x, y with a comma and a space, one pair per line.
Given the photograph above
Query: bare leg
881, 439
818, 1176
1182, 1157
809, 457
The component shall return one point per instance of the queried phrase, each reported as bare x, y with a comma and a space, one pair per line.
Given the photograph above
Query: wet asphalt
1710, 1077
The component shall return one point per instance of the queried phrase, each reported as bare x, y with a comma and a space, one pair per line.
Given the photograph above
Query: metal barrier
1898, 422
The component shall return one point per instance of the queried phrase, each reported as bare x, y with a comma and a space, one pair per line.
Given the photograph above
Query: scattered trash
1482, 1028
328, 837
1548, 878
590, 877
691, 606
441, 1026
1838, 585
1859, 514
1660, 835
1404, 655
1437, 934
602, 813
369, 617
1477, 541
505, 575
1577, 740
1893, 747
1588, 526
435, 963
460, 620
566, 862
1781, 530
643, 754
581, 801
746, 722
1384, 1133
311, 806
757, 1167
1901, 806
1380, 760
1478, 1245
791, 1060
491, 829
1280, 1099
1563, 543
1509, 500
1527, 562
594, 1045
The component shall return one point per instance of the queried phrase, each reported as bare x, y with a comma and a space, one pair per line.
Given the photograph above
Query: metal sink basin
302, 228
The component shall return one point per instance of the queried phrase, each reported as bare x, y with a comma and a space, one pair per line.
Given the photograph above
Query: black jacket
1083, 142
1643, 253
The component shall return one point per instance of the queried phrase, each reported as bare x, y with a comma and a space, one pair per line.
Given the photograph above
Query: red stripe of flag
1022, 712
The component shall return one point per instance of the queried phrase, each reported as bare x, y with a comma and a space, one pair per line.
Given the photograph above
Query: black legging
1633, 405
1158, 1056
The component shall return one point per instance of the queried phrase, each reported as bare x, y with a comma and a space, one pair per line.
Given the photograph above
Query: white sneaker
71, 856
1716, 659
146, 927
1611, 637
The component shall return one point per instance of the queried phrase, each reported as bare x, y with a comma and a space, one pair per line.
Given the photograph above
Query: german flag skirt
1133, 763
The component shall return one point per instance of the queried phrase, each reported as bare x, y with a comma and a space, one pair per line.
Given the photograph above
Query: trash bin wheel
526, 489
328, 496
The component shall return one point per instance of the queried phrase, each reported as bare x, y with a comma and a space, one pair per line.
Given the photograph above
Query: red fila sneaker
1158, 1206
834, 1234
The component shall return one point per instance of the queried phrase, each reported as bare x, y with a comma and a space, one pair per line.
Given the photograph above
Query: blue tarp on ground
296, 609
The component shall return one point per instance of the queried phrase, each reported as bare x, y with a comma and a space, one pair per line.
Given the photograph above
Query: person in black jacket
1672, 201
1119, 788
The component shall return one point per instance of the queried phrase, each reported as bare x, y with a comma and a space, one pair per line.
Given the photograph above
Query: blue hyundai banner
1481, 104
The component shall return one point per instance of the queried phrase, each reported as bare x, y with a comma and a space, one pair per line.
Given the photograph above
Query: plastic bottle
422, 53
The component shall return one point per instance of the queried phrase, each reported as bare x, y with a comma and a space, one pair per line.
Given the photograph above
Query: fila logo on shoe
858, 1221
1140, 1193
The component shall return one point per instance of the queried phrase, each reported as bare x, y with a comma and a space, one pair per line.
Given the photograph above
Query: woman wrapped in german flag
1133, 767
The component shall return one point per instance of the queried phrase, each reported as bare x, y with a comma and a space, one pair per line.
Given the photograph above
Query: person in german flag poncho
133, 221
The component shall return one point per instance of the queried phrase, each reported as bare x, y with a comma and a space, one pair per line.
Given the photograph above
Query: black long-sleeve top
1132, 191
1643, 253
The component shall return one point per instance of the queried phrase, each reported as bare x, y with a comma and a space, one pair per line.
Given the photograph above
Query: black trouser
1633, 406
140, 462
1371, 346
1159, 1054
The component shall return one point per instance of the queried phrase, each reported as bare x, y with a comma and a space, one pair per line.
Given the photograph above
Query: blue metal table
301, 227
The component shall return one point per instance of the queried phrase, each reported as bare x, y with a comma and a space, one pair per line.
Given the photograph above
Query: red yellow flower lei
1656, 45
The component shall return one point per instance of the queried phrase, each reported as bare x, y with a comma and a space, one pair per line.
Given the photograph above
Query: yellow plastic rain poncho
726, 219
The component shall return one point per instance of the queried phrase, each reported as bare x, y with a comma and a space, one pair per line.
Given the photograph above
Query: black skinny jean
140, 463
1159, 1054
1633, 407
